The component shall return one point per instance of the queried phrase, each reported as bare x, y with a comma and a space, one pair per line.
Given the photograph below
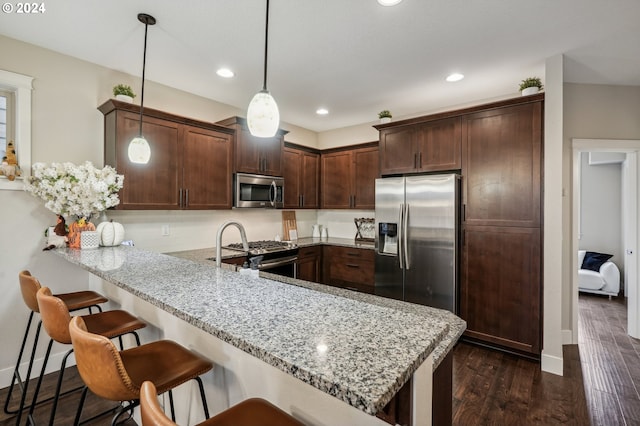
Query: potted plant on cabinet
384, 116
530, 86
123, 92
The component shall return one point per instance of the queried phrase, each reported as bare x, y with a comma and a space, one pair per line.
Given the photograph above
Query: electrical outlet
164, 230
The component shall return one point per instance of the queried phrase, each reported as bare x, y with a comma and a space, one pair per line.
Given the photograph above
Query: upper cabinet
301, 178
253, 154
421, 147
190, 165
348, 177
502, 166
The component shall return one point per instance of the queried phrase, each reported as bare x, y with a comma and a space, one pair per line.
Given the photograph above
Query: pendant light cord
266, 43
144, 64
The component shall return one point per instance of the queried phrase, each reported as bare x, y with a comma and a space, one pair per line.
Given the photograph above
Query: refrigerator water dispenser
388, 238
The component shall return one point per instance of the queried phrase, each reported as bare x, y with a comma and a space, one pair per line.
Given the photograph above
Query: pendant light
139, 150
263, 117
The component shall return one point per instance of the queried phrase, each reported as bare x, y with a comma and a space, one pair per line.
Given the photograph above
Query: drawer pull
351, 265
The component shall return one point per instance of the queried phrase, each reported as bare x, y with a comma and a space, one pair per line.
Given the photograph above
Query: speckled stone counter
456, 325
357, 351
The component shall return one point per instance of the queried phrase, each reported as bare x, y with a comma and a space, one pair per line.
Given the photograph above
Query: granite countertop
457, 326
357, 351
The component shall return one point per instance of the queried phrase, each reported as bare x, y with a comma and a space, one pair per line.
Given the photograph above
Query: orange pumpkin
74, 232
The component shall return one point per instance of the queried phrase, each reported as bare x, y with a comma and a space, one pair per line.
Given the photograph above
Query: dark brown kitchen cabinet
348, 178
502, 167
347, 267
309, 264
253, 154
421, 147
501, 284
500, 297
190, 165
301, 169
207, 171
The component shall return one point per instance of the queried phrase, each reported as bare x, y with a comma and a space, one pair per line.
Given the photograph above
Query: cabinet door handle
301, 200
351, 265
419, 160
352, 254
415, 160
186, 198
180, 197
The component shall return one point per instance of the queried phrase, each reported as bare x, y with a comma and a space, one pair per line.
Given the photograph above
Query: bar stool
252, 411
56, 317
118, 375
29, 285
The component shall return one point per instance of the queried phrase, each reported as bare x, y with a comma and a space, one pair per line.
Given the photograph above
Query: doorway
629, 222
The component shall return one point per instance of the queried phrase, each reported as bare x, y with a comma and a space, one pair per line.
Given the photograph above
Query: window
15, 123
7, 123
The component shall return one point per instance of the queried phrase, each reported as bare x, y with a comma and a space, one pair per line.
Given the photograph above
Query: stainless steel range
276, 257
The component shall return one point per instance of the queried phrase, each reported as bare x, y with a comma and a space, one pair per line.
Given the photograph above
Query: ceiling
353, 57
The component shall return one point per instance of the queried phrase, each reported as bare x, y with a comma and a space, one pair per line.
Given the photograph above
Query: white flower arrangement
80, 191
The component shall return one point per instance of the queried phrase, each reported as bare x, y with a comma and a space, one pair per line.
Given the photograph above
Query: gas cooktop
264, 246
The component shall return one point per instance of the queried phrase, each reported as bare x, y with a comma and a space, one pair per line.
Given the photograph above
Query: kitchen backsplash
197, 229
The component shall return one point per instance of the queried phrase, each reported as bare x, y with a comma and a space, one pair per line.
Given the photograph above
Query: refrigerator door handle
400, 236
405, 231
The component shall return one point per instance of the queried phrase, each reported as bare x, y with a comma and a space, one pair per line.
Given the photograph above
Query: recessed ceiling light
225, 72
389, 2
455, 77
322, 111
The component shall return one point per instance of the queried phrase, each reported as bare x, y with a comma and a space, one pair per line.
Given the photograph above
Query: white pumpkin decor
111, 233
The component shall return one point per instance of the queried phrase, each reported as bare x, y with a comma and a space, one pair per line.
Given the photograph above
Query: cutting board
289, 225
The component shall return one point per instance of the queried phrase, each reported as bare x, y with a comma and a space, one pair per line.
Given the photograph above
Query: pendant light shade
263, 117
139, 150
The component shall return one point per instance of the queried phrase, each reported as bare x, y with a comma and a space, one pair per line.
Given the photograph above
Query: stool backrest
150, 410
29, 286
55, 316
100, 365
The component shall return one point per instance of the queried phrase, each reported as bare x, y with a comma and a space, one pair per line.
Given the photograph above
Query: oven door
258, 191
285, 266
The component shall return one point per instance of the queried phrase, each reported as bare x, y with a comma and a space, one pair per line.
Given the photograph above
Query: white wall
601, 209
590, 112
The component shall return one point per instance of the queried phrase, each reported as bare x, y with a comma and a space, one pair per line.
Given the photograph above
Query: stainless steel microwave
258, 191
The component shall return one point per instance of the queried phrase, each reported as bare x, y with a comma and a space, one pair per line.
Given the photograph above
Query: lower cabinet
500, 292
350, 268
309, 265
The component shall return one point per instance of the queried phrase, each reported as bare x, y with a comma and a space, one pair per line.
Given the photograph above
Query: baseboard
55, 360
567, 337
552, 364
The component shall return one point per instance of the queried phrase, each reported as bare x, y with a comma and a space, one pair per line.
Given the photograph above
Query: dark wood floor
67, 405
599, 387
610, 361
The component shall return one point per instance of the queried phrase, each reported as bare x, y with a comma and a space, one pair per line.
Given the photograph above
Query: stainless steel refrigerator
417, 239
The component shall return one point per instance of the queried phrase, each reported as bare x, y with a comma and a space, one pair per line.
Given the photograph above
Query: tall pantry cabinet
501, 286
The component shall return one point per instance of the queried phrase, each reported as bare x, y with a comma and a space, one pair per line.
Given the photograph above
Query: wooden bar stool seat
56, 317
252, 411
29, 285
118, 375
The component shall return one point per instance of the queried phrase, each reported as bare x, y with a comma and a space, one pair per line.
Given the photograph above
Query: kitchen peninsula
325, 357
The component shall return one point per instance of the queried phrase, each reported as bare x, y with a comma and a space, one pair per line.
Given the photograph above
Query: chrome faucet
243, 236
